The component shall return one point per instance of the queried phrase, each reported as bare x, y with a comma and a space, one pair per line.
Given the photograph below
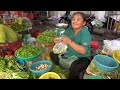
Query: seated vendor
78, 38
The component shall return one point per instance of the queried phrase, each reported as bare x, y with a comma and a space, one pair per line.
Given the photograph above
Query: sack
65, 63
59, 48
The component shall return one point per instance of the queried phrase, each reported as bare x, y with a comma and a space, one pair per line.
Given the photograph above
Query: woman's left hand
65, 39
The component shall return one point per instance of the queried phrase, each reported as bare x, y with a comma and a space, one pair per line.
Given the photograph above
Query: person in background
78, 39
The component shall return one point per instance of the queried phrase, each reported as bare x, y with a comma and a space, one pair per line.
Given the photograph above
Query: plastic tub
33, 66
116, 55
50, 75
28, 58
105, 63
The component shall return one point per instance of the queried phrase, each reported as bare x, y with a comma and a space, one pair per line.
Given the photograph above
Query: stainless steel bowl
64, 25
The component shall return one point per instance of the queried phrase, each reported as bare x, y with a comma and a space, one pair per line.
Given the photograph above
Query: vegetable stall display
21, 24
28, 51
46, 37
10, 69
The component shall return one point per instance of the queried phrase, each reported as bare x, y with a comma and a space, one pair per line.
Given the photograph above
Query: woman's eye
73, 19
78, 19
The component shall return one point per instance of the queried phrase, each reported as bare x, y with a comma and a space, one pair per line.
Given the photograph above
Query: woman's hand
65, 39
56, 40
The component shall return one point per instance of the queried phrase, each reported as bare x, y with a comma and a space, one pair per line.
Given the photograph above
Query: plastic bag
97, 23
59, 32
59, 48
65, 63
110, 46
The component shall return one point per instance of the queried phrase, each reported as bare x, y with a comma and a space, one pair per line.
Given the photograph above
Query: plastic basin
33, 66
50, 75
105, 63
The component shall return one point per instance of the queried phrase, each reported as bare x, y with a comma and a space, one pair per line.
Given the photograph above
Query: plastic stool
94, 44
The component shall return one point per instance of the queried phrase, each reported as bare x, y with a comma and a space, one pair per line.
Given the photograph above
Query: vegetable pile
20, 24
93, 70
18, 27
46, 37
10, 69
63, 73
28, 51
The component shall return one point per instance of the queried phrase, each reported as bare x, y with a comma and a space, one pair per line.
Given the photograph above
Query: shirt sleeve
67, 31
85, 40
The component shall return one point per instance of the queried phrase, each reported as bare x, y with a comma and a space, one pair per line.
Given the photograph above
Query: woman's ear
84, 23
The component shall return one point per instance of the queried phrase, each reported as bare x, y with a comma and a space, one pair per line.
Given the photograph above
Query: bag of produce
110, 46
59, 48
2, 35
10, 34
65, 63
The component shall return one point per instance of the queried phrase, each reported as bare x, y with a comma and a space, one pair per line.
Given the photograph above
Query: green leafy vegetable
46, 37
28, 51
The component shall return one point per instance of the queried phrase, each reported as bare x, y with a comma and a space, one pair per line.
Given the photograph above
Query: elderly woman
78, 39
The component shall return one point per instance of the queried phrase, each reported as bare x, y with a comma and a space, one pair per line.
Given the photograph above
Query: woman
78, 39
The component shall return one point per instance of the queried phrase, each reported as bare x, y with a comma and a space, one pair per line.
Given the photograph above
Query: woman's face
77, 21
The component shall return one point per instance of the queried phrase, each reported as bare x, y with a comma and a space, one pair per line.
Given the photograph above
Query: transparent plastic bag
65, 63
97, 23
112, 45
59, 48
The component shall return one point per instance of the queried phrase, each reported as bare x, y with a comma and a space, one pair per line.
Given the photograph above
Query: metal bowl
64, 25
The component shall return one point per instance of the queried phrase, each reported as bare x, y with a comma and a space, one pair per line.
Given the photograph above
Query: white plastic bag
59, 48
97, 23
112, 45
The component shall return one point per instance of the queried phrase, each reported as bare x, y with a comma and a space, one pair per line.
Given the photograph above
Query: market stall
25, 53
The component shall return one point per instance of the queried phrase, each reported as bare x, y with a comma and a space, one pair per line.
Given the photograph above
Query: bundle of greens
20, 24
28, 51
10, 69
46, 37
18, 27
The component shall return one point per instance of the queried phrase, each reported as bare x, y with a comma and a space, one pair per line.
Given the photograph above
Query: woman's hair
82, 14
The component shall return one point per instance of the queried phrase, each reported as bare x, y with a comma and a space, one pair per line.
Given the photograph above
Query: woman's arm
78, 48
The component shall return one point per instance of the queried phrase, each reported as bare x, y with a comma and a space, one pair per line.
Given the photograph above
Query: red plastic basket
2, 12
36, 32
15, 45
30, 16
9, 53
